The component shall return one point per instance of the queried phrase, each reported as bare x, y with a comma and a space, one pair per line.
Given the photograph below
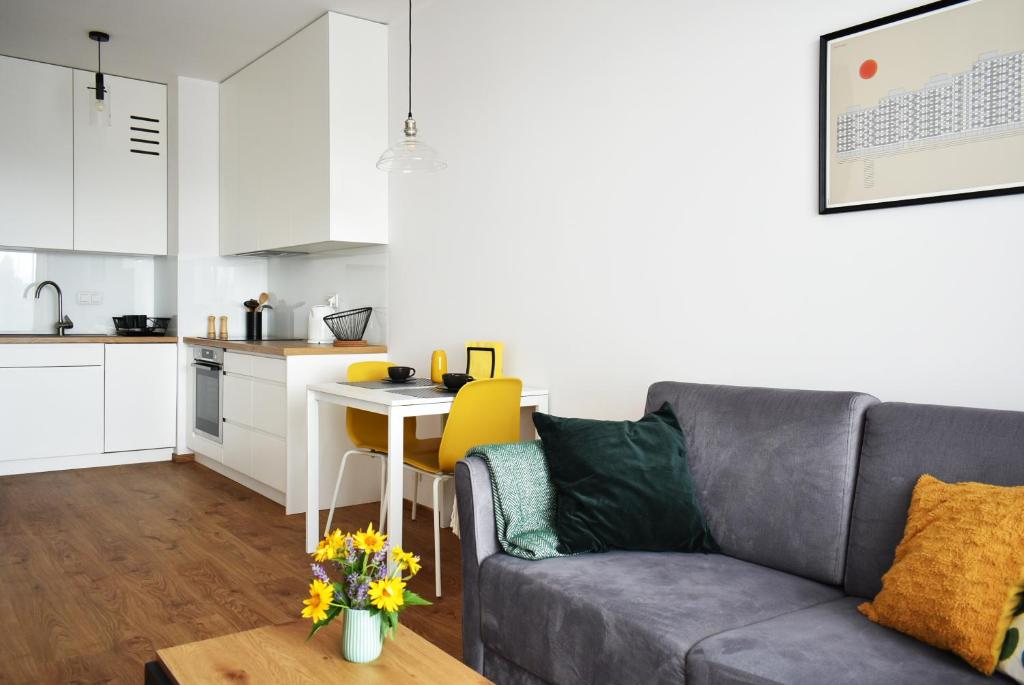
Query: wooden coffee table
281, 655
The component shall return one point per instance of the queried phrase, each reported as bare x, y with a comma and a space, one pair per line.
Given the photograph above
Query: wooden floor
101, 567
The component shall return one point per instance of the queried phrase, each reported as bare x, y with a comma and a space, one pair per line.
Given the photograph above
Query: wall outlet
89, 297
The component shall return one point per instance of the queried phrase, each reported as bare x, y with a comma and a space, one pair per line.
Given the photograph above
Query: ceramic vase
362, 639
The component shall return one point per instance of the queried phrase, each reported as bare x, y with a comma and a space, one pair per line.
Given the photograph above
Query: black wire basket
348, 326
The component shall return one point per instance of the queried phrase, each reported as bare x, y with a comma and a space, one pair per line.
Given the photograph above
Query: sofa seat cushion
828, 643
626, 617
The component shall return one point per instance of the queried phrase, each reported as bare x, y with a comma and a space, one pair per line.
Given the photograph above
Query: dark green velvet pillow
623, 485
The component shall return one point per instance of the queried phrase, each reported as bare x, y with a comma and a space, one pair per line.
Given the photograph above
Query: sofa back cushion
902, 441
774, 470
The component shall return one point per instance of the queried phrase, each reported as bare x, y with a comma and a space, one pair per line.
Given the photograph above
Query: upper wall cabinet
36, 155
120, 175
300, 132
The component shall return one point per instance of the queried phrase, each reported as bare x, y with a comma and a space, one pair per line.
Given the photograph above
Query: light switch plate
90, 297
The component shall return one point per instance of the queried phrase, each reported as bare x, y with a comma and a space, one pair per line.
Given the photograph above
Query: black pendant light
101, 91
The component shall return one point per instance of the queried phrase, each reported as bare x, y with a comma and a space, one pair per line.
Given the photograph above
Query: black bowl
454, 381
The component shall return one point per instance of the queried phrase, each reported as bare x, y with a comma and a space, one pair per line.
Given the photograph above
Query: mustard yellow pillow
958, 569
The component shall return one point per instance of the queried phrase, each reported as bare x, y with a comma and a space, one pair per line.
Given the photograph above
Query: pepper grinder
211, 327
223, 328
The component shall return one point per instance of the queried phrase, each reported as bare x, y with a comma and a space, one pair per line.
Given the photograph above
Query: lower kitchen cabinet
263, 416
255, 418
79, 404
140, 396
51, 411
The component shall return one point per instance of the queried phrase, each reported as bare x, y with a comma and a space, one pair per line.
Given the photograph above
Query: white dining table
421, 401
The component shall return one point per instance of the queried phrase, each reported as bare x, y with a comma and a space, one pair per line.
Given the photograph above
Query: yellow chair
369, 433
484, 412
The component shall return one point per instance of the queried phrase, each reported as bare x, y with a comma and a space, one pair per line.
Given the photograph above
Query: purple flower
320, 573
350, 551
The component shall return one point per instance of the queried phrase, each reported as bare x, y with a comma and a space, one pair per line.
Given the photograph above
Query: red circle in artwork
868, 68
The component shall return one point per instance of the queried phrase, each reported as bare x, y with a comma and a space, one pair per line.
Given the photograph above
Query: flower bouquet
370, 594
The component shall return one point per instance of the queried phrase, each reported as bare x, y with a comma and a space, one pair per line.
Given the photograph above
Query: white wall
359, 276
119, 284
631, 196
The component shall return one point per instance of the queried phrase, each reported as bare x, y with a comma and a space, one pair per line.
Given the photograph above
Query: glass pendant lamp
410, 154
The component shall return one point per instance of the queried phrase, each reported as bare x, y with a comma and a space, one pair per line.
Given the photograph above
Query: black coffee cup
400, 374
454, 381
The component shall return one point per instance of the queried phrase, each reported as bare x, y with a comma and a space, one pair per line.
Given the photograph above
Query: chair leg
337, 487
383, 491
437, 537
415, 494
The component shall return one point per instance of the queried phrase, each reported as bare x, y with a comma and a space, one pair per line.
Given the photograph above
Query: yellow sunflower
371, 541
407, 561
325, 551
387, 594
320, 597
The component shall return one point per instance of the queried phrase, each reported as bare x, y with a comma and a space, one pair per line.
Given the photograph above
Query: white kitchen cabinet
255, 418
120, 167
301, 129
140, 381
36, 155
52, 401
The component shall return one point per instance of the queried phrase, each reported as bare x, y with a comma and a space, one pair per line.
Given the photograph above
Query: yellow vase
438, 365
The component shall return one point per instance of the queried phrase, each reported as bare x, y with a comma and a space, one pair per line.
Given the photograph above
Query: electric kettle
316, 330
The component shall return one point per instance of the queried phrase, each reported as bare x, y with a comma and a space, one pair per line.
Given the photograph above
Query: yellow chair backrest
484, 412
367, 430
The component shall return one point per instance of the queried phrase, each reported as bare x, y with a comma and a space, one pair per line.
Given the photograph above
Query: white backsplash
359, 276
119, 285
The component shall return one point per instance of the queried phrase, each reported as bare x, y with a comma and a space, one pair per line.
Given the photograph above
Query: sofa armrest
479, 540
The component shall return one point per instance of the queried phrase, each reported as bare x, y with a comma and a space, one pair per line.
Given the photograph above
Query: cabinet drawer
59, 354
255, 367
269, 460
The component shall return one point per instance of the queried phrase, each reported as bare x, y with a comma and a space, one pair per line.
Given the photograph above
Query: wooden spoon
264, 298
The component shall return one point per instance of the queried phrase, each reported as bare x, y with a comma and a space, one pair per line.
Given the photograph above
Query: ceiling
157, 40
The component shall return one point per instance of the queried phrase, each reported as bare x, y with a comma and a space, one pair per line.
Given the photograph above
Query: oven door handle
211, 367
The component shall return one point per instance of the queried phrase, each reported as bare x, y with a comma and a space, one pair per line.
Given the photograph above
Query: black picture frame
823, 123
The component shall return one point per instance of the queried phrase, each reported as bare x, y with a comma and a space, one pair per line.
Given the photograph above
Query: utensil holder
254, 325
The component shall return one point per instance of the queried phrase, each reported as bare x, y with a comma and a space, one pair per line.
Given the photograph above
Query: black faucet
63, 322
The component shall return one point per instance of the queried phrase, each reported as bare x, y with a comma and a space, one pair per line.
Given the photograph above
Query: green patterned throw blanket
524, 498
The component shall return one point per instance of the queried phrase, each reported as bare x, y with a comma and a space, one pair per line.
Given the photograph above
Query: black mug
400, 374
454, 381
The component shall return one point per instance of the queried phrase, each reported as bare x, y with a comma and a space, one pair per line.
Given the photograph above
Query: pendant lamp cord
410, 59
99, 57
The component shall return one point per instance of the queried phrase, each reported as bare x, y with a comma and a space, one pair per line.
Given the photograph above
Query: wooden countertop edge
85, 339
284, 348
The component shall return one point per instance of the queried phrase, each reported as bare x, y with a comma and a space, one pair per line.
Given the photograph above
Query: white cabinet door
269, 460
120, 167
36, 155
140, 396
51, 411
269, 407
238, 399
300, 131
238, 448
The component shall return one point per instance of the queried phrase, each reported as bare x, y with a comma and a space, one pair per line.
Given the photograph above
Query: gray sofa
806, 492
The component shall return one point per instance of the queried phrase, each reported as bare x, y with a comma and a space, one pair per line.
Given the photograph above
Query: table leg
312, 471
396, 462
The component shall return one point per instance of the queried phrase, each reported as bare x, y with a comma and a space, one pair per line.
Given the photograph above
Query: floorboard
99, 568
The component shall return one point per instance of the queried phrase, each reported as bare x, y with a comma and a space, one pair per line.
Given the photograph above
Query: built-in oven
208, 403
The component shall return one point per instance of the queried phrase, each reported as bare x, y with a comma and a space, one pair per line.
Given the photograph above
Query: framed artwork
923, 106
